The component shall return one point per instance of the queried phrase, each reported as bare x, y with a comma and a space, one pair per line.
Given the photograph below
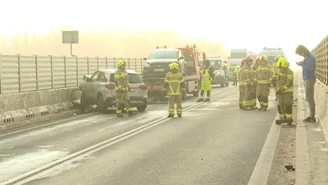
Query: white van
272, 53
236, 55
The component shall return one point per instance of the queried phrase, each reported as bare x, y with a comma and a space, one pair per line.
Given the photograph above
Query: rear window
163, 54
133, 78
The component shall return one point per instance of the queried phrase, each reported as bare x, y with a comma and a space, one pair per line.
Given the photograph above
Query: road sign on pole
70, 37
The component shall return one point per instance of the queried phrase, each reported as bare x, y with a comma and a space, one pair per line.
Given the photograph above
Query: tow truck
156, 66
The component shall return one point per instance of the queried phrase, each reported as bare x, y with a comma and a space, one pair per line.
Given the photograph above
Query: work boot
207, 100
132, 113
259, 109
264, 109
170, 116
200, 100
179, 115
119, 115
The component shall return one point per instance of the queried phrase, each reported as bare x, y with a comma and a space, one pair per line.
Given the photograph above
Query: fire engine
156, 66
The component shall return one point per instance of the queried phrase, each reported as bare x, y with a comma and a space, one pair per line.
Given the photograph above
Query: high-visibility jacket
174, 83
240, 76
275, 71
207, 74
263, 74
121, 80
285, 80
248, 75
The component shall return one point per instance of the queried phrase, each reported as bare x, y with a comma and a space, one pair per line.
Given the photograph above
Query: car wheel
195, 93
101, 106
143, 107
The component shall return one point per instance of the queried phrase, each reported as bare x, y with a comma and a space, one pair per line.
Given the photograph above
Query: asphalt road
214, 143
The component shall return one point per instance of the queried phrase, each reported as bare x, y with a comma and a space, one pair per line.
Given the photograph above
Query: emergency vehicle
272, 53
156, 66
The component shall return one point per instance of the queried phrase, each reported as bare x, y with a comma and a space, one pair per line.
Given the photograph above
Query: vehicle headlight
218, 73
146, 65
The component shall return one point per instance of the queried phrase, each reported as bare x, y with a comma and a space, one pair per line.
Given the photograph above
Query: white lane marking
262, 168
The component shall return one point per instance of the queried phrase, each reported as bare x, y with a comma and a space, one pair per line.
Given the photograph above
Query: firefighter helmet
120, 63
174, 65
264, 57
282, 62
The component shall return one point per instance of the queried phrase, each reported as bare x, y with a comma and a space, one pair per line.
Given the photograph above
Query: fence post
36, 72
19, 74
106, 59
0, 74
77, 71
114, 62
135, 64
129, 63
65, 71
52, 72
88, 65
97, 63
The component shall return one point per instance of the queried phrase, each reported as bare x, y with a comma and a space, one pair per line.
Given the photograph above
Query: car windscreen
216, 63
238, 55
163, 54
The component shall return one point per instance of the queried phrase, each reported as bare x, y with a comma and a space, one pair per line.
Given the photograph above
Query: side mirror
144, 58
181, 58
86, 78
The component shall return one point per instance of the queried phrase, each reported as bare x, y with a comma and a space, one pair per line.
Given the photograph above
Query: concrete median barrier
321, 99
23, 106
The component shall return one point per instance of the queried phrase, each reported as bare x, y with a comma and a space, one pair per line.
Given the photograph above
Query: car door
99, 85
89, 92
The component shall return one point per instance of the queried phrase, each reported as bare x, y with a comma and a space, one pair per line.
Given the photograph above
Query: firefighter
275, 71
206, 81
253, 94
174, 87
122, 88
248, 78
263, 78
241, 84
284, 91
235, 71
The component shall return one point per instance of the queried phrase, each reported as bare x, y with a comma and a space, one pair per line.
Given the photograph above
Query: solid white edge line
262, 168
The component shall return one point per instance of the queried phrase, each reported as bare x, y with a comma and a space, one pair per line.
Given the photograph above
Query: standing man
248, 79
284, 91
308, 64
173, 87
122, 87
263, 78
206, 80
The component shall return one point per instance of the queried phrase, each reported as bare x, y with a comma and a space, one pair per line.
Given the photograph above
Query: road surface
214, 143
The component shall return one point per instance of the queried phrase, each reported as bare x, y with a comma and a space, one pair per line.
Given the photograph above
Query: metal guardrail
321, 53
35, 73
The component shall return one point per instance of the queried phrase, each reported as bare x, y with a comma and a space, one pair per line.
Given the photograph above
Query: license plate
158, 69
